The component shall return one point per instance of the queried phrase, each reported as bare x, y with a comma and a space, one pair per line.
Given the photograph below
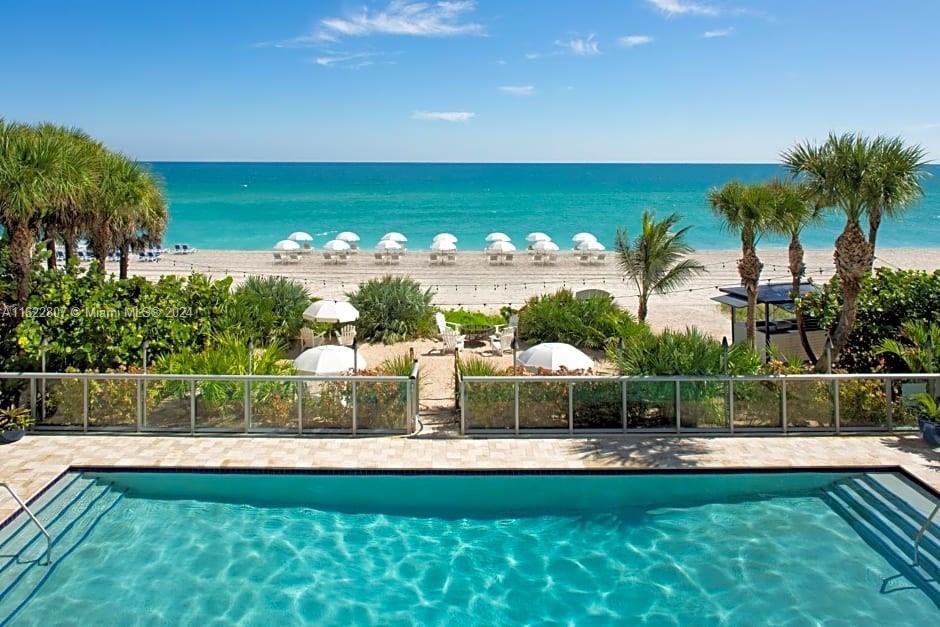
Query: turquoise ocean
252, 205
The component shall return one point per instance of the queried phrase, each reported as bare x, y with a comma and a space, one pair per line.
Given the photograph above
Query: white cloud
445, 18
518, 90
352, 60
629, 41
444, 116
722, 32
531, 56
683, 7
582, 47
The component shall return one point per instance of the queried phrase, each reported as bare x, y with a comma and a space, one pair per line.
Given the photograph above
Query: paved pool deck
34, 462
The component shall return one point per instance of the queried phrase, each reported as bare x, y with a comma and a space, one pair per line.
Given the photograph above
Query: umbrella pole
355, 356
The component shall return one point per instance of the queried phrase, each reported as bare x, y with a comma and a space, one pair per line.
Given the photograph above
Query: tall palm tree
793, 211
745, 210
894, 183
657, 260
853, 173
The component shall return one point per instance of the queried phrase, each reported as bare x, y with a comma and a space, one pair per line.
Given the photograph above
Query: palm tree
745, 210
793, 211
895, 182
656, 261
853, 173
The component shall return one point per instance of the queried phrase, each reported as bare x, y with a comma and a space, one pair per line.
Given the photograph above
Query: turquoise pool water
197, 549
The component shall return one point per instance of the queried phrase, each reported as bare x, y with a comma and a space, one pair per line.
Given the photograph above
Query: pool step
69, 515
882, 514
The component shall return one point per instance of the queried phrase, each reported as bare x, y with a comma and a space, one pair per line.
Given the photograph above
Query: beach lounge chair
434, 258
346, 334
342, 257
153, 256
395, 257
177, 249
328, 257
277, 258
502, 341
293, 257
311, 339
600, 258
584, 258
552, 258
508, 258
451, 258
380, 257
538, 258
494, 259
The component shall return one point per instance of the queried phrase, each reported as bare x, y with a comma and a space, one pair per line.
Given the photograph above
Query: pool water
195, 549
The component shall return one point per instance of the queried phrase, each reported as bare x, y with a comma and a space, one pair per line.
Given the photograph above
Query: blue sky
509, 80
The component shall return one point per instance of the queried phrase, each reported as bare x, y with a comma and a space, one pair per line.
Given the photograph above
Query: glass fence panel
112, 404
59, 402
598, 405
543, 405
327, 405
382, 406
273, 406
167, 405
810, 404
757, 405
220, 405
489, 405
863, 403
651, 405
704, 405
906, 407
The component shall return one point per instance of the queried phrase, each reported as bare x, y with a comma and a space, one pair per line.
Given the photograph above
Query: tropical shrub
14, 418
267, 309
585, 323
464, 317
918, 348
887, 300
393, 309
688, 352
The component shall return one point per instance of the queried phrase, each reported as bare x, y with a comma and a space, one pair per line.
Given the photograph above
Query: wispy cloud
532, 56
683, 7
722, 32
586, 47
444, 116
630, 41
518, 90
351, 60
405, 17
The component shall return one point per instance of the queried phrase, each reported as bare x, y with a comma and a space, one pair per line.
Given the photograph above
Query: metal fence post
409, 407
300, 408
835, 406
731, 406
463, 409
783, 405
192, 407
85, 405
623, 404
571, 408
140, 404
247, 405
678, 402
889, 399
515, 412
355, 404
32, 399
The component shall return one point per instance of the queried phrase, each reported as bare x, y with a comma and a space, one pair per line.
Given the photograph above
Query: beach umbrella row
442, 241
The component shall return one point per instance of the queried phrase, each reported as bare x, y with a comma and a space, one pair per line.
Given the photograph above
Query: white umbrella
287, 244
333, 311
388, 244
348, 236
584, 237
590, 245
336, 246
394, 236
445, 236
443, 245
497, 237
501, 246
553, 356
538, 236
544, 245
329, 359
300, 236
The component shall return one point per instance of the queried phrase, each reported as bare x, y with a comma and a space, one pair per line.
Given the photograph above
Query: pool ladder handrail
25, 508
922, 531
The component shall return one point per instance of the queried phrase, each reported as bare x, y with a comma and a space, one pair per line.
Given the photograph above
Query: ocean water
473, 550
252, 205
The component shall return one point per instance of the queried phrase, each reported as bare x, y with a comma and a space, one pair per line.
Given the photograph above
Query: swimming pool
255, 549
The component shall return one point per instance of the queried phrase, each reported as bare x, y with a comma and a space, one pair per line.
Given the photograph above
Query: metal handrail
126, 376
880, 376
922, 531
23, 506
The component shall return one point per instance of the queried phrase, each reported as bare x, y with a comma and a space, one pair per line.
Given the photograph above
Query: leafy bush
474, 366
463, 317
15, 418
888, 299
587, 323
688, 352
393, 309
267, 309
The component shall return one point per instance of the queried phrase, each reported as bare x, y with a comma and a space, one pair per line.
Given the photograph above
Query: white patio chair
502, 341
346, 334
452, 340
433, 258
310, 339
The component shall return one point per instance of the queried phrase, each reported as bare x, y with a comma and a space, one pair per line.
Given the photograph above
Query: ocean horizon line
402, 162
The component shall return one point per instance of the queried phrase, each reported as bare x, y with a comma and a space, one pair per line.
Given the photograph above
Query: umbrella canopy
336, 245
287, 244
497, 237
394, 236
554, 356
300, 236
442, 245
388, 244
584, 237
501, 246
590, 245
538, 236
333, 311
544, 245
445, 236
328, 359
348, 236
